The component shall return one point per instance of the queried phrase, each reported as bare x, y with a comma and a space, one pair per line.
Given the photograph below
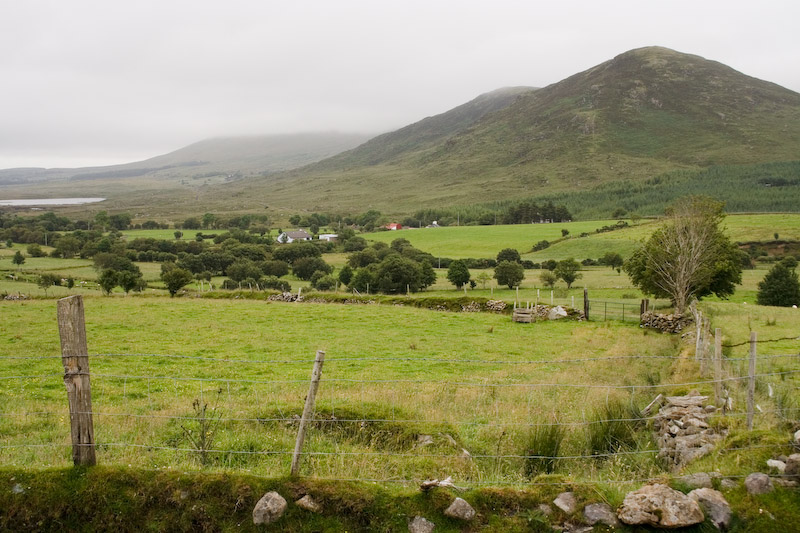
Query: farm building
393, 226
328, 237
291, 236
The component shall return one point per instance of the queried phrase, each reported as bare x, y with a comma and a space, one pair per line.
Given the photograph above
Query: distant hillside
223, 157
643, 113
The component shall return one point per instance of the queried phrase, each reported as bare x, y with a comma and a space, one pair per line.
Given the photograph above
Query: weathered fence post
586, 303
308, 412
75, 357
717, 366
751, 382
698, 347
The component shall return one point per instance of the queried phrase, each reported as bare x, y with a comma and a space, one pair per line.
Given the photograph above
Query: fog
93, 83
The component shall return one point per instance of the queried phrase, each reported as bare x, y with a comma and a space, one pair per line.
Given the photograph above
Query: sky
86, 83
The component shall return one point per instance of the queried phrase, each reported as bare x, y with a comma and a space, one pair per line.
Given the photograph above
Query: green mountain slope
645, 112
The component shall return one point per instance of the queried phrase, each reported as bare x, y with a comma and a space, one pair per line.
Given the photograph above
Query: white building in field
291, 236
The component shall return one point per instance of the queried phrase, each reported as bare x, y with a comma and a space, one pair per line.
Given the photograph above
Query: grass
460, 242
422, 375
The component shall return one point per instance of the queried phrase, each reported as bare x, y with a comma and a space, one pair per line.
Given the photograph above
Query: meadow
471, 381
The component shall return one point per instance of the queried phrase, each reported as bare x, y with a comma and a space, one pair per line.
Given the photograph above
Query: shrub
613, 427
544, 444
509, 273
779, 287
541, 245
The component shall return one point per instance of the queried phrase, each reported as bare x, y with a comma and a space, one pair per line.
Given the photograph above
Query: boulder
600, 513
793, 465
697, 481
660, 506
308, 503
269, 508
715, 505
758, 483
780, 466
460, 509
419, 525
567, 502
556, 313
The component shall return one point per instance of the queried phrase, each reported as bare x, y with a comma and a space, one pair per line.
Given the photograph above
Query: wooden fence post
308, 412
751, 382
75, 357
718, 367
586, 303
698, 347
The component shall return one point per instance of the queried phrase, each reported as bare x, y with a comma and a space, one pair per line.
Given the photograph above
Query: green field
486, 241
377, 355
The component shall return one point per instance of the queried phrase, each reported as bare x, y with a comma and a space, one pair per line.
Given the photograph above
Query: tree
612, 259
564, 232
175, 279
346, 275
67, 246
780, 287
108, 279
102, 219
458, 273
509, 273
689, 257
18, 259
483, 278
508, 254
548, 278
130, 281
34, 250
396, 273
305, 267
47, 280
567, 270
178, 234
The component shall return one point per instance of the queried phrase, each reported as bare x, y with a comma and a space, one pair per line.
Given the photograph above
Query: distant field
487, 241
168, 234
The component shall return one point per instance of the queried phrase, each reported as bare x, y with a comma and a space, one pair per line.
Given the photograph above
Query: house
393, 226
291, 236
328, 237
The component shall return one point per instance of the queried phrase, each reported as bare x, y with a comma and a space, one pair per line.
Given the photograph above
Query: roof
299, 234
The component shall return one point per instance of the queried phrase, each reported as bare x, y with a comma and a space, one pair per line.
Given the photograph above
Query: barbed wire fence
255, 415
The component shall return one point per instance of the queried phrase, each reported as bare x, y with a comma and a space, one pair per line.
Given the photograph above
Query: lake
49, 201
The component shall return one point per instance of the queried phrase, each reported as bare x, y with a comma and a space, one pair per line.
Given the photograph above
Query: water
49, 201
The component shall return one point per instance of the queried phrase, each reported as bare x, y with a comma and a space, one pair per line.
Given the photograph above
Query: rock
544, 509
420, 525
659, 505
780, 466
728, 484
17, 489
697, 481
797, 437
600, 512
715, 505
460, 509
793, 465
786, 483
758, 483
567, 502
308, 503
269, 508
424, 440
556, 313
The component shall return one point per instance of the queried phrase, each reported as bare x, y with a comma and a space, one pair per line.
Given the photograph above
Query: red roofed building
393, 226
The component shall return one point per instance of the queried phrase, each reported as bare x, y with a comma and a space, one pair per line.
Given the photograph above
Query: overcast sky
102, 82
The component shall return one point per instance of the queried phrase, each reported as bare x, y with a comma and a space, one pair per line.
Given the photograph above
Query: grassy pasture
167, 234
486, 241
378, 382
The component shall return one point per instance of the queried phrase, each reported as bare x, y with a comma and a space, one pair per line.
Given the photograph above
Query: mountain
220, 158
644, 112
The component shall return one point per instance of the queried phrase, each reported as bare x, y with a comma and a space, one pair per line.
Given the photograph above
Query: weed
206, 420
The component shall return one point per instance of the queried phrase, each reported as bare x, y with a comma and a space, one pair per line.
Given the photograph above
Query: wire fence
387, 419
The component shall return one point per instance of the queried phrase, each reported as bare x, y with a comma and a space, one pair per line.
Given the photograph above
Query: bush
544, 444
305, 267
458, 273
780, 287
508, 254
613, 427
541, 245
325, 283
